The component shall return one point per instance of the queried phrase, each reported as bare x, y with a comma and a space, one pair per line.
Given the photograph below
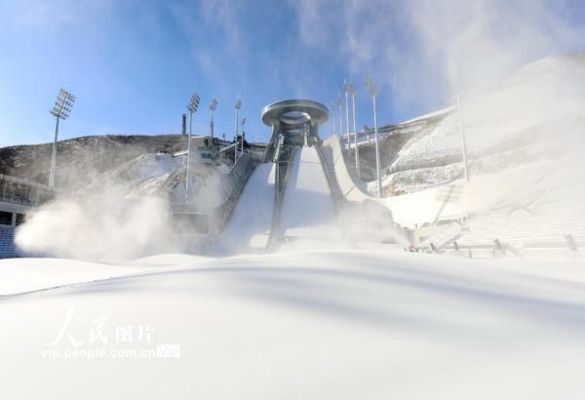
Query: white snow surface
23, 275
308, 211
327, 325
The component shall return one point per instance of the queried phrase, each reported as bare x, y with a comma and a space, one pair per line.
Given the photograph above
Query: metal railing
231, 188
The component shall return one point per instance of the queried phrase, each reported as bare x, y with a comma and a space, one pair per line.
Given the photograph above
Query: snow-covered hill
82, 159
537, 114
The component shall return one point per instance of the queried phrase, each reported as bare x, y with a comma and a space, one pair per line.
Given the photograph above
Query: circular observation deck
294, 113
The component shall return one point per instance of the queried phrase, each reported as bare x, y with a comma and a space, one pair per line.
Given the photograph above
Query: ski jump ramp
298, 199
308, 216
250, 224
288, 200
349, 185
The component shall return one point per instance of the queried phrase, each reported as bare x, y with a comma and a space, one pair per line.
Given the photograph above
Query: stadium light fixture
192, 107
61, 110
212, 108
372, 93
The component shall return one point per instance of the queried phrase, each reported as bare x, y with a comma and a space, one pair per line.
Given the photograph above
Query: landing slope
308, 212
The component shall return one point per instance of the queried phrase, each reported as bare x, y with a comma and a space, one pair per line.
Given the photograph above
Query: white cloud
425, 51
57, 14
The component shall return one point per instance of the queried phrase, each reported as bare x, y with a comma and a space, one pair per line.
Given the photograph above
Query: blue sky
133, 64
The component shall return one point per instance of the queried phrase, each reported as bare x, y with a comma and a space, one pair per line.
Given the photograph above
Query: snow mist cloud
424, 51
100, 226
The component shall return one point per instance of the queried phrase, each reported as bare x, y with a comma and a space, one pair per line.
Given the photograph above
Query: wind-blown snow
533, 116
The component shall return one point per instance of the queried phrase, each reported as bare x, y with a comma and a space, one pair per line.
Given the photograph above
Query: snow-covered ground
328, 325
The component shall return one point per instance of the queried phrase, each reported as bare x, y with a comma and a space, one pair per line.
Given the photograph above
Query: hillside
535, 116
82, 159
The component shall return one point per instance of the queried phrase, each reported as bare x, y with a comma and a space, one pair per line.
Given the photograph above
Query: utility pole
463, 140
192, 108
61, 110
372, 93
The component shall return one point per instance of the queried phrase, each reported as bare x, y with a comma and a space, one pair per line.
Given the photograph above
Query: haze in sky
133, 64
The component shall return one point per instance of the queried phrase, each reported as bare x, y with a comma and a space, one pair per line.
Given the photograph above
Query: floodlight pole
355, 140
54, 155
192, 108
372, 93
60, 110
188, 177
339, 105
347, 90
238, 105
463, 140
243, 133
212, 108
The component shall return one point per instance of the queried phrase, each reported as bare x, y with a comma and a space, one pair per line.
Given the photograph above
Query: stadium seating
7, 246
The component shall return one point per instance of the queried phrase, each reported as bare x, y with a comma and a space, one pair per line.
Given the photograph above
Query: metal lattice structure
63, 104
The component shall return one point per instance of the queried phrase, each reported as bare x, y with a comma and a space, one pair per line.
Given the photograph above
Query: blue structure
17, 198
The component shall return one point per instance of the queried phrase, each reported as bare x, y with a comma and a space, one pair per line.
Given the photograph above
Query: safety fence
232, 186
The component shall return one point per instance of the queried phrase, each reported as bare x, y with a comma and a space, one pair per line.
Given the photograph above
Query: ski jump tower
294, 123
